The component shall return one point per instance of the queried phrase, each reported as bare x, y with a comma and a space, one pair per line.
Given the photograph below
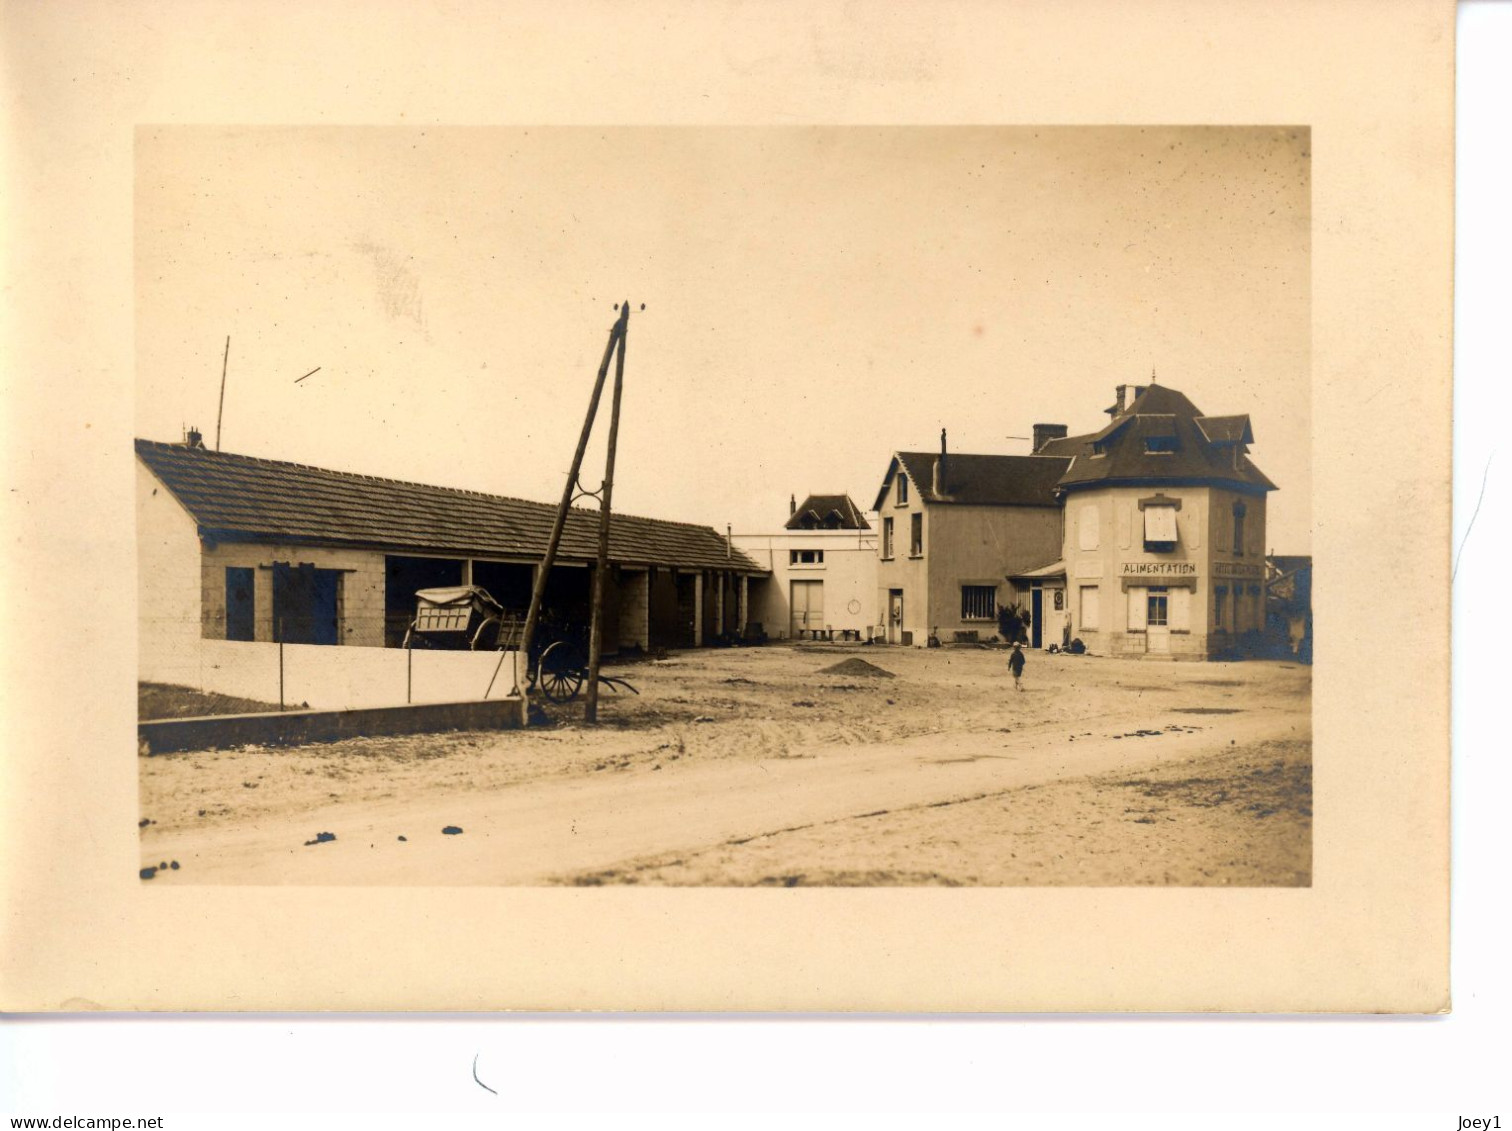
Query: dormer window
902, 489
1160, 445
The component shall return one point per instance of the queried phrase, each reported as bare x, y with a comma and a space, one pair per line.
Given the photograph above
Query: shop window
240, 623
887, 538
916, 535
979, 602
902, 490
1157, 609
805, 557
1220, 597
1089, 611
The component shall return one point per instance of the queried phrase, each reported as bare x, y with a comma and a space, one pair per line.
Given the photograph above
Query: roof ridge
238, 456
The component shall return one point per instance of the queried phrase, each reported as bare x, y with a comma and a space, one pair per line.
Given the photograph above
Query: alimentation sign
1159, 569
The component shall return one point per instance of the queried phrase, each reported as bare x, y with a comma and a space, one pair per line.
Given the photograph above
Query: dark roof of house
242, 498
817, 508
977, 480
1207, 449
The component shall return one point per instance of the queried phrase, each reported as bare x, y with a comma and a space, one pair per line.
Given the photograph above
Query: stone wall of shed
360, 597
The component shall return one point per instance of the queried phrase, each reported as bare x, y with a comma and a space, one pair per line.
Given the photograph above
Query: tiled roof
1119, 453
242, 498
817, 508
977, 480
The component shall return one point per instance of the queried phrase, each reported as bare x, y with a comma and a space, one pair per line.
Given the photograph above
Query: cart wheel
560, 672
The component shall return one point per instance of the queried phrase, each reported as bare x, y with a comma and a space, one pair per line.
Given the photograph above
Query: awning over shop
1056, 570
1160, 524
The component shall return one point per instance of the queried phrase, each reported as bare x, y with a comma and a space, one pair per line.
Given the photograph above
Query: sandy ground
750, 766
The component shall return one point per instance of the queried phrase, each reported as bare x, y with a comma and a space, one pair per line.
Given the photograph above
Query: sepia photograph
778, 506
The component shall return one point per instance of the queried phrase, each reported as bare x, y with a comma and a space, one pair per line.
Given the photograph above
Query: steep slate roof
819, 507
1209, 452
976, 480
241, 499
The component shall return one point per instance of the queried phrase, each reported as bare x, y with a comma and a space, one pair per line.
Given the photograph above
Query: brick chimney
792, 505
940, 465
1044, 433
192, 438
1127, 395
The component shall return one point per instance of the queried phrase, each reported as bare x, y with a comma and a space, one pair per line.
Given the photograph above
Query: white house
822, 573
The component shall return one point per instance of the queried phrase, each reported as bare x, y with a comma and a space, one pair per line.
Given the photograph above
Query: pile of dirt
857, 666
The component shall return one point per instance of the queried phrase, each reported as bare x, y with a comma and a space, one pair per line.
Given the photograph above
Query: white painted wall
168, 574
328, 677
849, 573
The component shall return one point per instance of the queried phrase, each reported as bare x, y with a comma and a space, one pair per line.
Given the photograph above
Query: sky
815, 299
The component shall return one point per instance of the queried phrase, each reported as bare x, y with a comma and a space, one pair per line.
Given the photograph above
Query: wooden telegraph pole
606, 494
569, 493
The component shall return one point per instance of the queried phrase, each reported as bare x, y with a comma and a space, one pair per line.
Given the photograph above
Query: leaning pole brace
538, 590
606, 494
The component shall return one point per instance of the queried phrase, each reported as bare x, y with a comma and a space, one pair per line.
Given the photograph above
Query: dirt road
752, 767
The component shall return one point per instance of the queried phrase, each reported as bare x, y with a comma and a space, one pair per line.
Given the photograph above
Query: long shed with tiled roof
241, 548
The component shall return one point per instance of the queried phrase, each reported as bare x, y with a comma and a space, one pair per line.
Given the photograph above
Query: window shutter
1089, 611
1087, 524
1138, 607
1181, 610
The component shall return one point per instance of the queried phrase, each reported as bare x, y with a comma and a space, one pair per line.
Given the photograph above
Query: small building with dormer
822, 573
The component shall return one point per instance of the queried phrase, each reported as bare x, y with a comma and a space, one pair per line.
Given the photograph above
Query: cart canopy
474, 596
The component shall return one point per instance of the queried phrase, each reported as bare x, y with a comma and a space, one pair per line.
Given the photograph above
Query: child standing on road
1016, 666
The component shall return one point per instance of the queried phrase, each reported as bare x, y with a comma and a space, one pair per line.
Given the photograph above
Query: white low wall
331, 677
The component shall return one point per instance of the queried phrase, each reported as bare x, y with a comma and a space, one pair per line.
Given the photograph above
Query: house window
1220, 596
979, 602
240, 624
1087, 527
1157, 608
916, 535
1089, 602
1239, 512
1158, 444
1159, 529
805, 557
887, 537
902, 489
306, 604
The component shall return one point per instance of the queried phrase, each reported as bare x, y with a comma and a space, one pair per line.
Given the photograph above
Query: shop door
807, 606
1036, 613
895, 616
1158, 622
